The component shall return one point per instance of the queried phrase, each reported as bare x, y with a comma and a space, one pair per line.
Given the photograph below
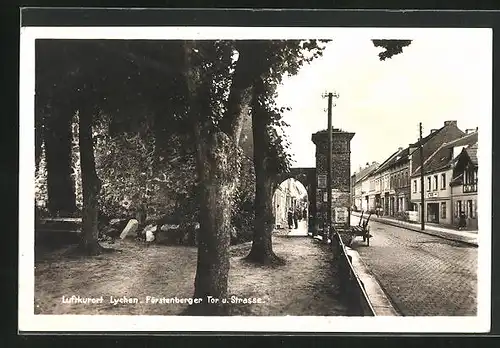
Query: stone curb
444, 235
381, 304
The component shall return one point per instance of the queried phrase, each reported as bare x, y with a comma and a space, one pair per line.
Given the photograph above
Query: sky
301, 190
442, 75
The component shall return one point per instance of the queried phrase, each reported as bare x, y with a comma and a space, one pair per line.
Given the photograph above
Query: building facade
444, 190
381, 188
287, 196
341, 176
437, 195
464, 186
360, 187
389, 187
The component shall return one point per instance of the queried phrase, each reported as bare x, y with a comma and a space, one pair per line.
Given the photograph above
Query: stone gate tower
341, 176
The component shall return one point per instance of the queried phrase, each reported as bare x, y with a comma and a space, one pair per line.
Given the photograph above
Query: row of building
450, 179
288, 196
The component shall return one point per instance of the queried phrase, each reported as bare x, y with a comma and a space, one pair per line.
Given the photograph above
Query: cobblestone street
422, 275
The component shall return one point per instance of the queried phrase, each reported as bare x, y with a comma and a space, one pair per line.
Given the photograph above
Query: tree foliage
271, 158
392, 47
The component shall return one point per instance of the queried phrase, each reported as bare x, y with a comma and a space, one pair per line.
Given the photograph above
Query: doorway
291, 199
433, 212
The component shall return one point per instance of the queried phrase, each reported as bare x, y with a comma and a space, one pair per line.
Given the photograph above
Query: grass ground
305, 285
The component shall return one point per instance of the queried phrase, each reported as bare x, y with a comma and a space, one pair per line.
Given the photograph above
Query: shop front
433, 212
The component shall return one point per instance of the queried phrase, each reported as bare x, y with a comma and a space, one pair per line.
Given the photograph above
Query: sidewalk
301, 231
470, 237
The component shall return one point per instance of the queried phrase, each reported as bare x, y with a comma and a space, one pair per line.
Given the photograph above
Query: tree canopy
392, 47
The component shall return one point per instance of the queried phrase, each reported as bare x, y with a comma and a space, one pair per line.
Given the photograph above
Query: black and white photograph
255, 179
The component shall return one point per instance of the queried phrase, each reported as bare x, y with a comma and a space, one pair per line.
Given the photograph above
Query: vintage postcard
231, 179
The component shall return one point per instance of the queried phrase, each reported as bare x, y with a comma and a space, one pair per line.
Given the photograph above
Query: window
414, 186
459, 208
428, 183
443, 181
443, 210
435, 183
470, 176
470, 211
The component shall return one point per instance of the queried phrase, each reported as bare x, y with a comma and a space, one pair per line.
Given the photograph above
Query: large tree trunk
91, 185
60, 185
217, 166
218, 181
262, 248
39, 135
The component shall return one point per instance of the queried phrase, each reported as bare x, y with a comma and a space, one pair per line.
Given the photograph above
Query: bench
71, 225
362, 229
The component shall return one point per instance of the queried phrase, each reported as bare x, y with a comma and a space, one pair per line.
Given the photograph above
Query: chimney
449, 123
400, 149
367, 164
373, 162
470, 130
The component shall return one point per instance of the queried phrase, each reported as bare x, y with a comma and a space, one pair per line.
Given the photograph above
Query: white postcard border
28, 321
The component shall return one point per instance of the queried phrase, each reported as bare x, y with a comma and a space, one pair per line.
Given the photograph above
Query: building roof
428, 137
472, 152
322, 135
402, 155
443, 156
393, 159
458, 180
363, 173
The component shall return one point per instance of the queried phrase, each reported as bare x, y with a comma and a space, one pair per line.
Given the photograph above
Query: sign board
340, 215
432, 194
340, 199
322, 181
413, 216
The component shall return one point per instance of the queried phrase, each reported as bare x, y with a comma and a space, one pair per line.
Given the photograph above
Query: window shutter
474, 208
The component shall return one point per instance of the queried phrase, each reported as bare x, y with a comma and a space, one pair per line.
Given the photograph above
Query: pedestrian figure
462, 222
304, 214
290, 218
295, 218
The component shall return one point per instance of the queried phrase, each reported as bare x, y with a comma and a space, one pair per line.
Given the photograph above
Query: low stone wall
352, 287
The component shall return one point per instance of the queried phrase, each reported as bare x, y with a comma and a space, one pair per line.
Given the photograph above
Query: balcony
468, 188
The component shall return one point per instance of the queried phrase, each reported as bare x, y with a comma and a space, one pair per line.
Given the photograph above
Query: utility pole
422, 187
329, 174
327, 232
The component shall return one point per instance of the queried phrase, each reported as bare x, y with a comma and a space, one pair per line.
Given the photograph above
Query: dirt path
305, 285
